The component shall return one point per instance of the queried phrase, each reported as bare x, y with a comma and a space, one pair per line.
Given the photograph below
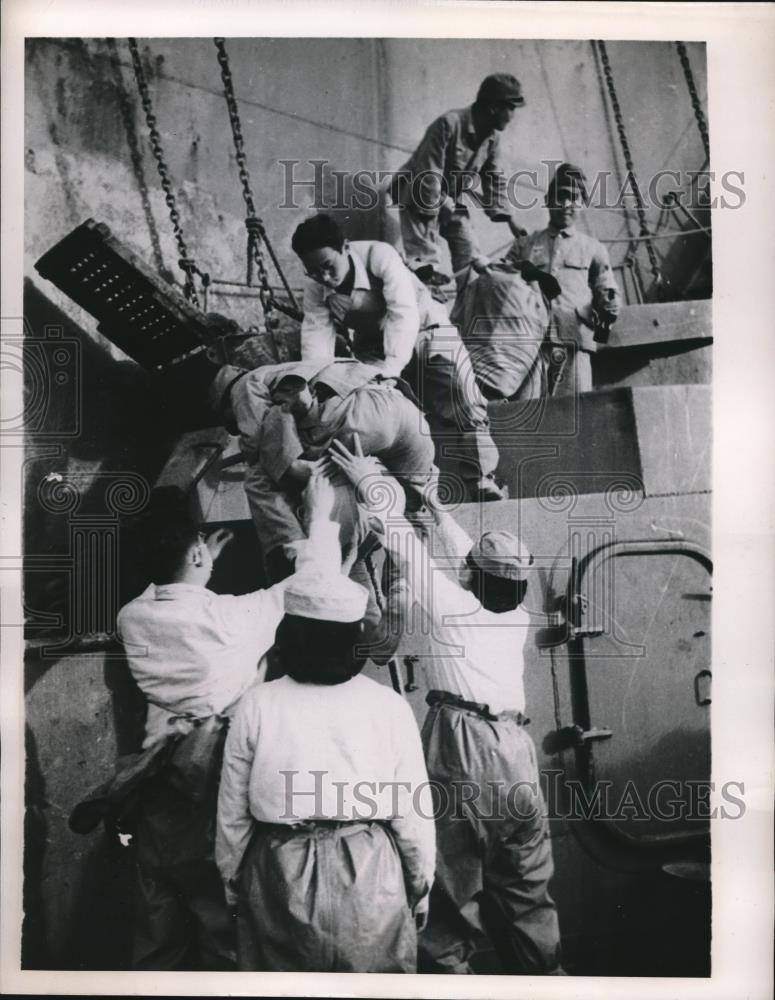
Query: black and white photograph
364, 436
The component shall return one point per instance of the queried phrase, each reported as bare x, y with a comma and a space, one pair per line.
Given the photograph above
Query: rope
670, 234
644, 234
254, 225
186, 263
698, 112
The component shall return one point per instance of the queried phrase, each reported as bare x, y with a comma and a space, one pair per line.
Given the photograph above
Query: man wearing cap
345, 398
456, 160
589, 298
242, 401
494, 858
324, 841
362, 300
286, 416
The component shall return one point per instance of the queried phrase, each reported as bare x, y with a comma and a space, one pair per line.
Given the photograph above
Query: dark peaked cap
568, 175
500, 87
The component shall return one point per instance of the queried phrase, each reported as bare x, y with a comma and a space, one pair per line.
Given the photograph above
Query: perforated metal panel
135, 309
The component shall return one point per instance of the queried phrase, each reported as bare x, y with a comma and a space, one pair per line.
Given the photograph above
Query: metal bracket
570, 614
574, 737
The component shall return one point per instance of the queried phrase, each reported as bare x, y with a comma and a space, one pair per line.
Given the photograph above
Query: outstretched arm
384, 498
318, 334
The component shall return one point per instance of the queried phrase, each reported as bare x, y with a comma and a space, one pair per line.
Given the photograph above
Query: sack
194, 768
118, 796
190, 763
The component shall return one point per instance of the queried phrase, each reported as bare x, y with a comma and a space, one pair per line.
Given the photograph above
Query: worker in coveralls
361, 300
457, 162
589, 297
346, 398
281, 442
193, 654
494, 858
319, 842
242, 400
503, 321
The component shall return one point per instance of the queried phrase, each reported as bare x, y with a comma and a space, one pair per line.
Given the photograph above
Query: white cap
318, 589
325, 597
502, 554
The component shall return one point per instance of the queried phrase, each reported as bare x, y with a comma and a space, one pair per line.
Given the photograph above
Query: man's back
193, 651
353, 735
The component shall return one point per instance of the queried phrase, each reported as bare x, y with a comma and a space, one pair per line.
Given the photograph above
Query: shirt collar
467, 123
361, 274
172, 591
467, 127
565, 232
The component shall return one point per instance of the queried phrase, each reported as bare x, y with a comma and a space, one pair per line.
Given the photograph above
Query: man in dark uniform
458, 156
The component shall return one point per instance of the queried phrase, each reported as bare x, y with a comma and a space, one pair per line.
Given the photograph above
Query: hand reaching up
375, 489
217, 541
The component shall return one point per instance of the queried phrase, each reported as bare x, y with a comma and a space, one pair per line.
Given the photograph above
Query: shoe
428, 275
488, 489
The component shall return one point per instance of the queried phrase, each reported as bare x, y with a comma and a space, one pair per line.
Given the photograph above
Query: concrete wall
360, 104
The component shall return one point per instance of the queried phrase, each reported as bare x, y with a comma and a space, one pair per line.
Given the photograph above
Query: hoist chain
639, 205
236, 125
254, 225
127, 110
186, 263
699, 114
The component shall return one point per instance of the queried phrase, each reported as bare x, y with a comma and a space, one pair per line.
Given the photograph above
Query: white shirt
378, 267
193, 651
362, 740
476, 654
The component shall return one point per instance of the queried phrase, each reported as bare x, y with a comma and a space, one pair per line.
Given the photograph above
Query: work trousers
276, 510
577, 340
494, 857
182, 921
442, 376
420, 236
389, 426
329, 898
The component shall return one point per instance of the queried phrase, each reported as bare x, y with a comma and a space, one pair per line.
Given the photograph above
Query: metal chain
186, 263
699, 114
640, 207
254, 225
127, 109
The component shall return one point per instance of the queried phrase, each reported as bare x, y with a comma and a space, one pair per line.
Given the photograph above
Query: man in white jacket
325, 836
193, 654
494, 853
361, 300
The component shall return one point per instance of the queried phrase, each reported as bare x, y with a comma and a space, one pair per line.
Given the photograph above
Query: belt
311, 825
455, 701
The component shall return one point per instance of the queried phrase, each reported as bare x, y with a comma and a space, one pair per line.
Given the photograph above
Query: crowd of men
283, 815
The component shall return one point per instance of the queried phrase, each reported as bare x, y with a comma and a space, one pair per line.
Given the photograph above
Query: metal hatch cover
645, 676
134, 308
